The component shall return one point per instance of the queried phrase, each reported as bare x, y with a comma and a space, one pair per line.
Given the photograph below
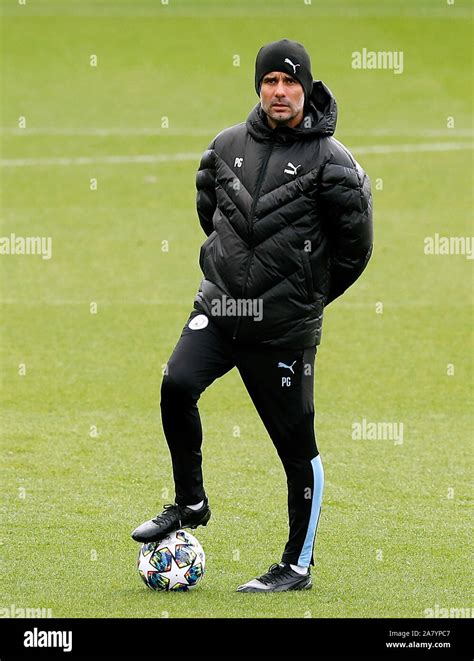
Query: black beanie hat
289, 57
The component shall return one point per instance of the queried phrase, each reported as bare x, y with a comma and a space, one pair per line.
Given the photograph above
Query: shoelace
169, 510
274, 572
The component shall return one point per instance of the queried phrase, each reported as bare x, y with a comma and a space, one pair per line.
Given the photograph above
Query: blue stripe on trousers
318, 485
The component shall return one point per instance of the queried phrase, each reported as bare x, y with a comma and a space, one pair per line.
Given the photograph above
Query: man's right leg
201, 355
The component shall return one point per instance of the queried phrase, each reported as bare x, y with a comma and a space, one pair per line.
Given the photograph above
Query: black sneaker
174, 517
278, 578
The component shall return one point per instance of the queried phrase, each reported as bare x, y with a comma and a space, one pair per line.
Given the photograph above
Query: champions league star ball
175, 563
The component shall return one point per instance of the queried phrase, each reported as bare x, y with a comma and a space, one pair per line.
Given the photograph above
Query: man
288, 214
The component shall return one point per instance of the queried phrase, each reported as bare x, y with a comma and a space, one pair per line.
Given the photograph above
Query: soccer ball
175, 563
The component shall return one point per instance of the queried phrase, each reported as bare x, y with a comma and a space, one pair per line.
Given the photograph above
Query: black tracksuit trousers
280, 383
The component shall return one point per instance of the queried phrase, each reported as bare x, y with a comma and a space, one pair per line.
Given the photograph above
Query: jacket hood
321, 112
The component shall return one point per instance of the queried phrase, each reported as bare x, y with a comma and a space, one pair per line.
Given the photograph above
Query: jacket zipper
251, 220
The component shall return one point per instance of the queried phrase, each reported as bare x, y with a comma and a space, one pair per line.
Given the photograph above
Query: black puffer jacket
288, 214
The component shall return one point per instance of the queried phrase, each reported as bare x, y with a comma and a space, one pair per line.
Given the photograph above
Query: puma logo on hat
293, 65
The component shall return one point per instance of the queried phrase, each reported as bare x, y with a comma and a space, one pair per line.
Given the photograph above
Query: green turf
392, 541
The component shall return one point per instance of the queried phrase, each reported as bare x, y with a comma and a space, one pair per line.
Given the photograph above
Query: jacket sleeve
206, 201
346, 203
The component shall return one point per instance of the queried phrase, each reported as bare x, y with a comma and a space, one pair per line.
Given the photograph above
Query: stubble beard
279, 118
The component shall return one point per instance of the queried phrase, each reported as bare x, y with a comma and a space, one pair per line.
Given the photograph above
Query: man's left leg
281, 383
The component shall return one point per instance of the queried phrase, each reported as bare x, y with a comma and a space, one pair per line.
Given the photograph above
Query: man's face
282, 99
